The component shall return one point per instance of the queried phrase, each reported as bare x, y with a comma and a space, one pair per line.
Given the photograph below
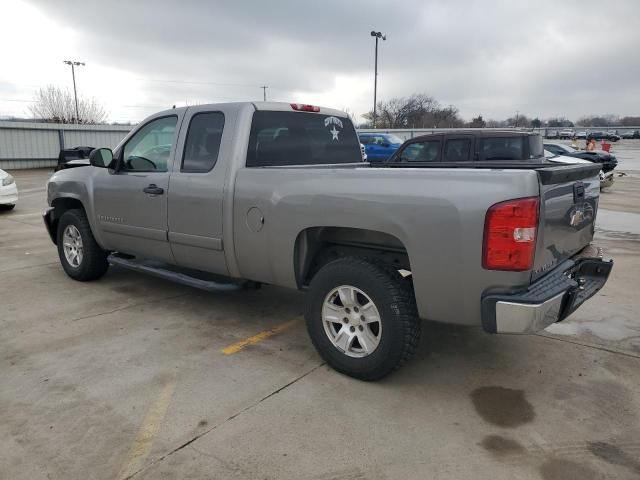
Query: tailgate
568, 205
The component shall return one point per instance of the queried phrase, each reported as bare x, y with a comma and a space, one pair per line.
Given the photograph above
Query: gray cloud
542, 58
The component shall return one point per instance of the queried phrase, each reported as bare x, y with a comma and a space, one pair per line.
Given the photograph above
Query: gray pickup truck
278, 194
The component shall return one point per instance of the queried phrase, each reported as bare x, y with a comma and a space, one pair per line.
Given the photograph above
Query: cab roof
286, 107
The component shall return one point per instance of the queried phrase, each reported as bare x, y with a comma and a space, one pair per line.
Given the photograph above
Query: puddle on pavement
613, 328
504, 407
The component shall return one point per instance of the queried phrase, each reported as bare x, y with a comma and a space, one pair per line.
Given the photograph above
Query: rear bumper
548, 300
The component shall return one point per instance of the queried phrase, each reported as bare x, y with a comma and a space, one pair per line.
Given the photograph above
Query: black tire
7, 207
94, 260
393, 297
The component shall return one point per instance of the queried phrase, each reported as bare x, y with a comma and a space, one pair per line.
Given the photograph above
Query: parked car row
458, 146
629, 134
611, 135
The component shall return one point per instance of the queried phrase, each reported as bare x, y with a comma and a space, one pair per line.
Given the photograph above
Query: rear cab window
301, 138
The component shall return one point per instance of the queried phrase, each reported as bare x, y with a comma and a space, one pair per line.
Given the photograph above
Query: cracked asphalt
126, 378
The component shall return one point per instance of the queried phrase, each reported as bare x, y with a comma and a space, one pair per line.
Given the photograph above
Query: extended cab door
131, 201
197, 186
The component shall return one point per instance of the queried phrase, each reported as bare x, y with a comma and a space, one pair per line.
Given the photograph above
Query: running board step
158, 271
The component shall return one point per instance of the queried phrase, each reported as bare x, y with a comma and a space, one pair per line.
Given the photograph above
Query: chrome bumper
512, 317
548, 300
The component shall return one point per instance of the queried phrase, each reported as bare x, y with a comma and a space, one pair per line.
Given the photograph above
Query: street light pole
377, 36
73, 64
264, 92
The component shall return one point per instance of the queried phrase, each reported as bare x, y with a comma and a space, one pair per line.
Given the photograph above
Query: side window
502, 148
203, 142
457, 150
366, 140
148, 150
421, 152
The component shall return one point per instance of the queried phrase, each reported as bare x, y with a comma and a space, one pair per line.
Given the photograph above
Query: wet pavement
127, 377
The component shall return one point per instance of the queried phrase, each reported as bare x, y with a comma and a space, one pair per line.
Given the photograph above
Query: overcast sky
485, 57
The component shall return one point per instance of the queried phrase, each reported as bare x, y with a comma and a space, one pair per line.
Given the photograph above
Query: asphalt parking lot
135, 377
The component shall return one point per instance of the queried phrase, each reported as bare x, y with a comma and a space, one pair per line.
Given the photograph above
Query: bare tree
477, 122
598, 121
491, 123
416, 111
521, 121
56, 105
630, 121
559, 122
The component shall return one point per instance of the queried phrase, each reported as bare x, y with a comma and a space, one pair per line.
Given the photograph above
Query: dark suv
465, 147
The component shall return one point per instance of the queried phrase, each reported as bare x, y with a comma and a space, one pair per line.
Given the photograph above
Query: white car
566, 134
606, 179
8, 191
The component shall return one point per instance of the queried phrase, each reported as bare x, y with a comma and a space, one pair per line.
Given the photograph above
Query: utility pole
377, 35
517, 113
264, 92
73, 64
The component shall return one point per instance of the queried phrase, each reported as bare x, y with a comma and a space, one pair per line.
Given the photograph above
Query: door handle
153, 189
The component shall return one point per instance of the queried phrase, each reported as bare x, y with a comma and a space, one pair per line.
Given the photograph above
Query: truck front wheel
362, 318
80, 255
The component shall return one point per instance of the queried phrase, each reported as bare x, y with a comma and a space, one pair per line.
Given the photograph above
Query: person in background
574, 142
591, 145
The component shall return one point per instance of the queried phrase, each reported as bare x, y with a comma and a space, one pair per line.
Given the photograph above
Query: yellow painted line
152, 421
236, 347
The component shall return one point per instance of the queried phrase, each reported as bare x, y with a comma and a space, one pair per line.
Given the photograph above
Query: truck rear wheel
80, 255
362, 318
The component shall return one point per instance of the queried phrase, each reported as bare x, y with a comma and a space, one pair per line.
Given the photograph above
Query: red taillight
510, 230
301, 107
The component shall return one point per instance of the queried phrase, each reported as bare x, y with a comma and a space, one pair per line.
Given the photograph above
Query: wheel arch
317, 246
58, 207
